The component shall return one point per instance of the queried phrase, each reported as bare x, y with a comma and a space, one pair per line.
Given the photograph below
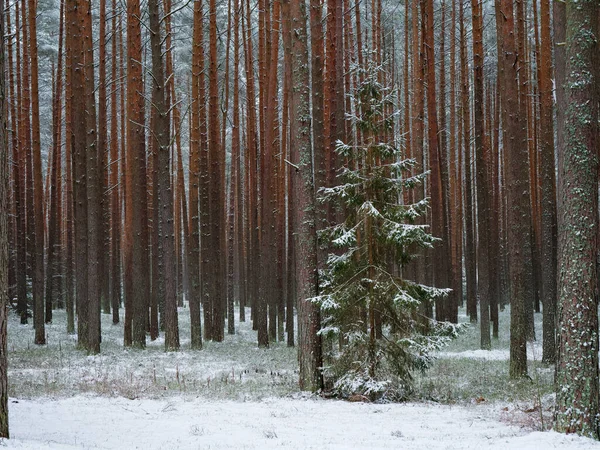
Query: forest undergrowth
237, 370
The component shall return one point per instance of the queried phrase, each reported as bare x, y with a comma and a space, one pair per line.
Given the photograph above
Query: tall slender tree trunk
165, 194
136, 190
4, 209
577, 406
94, 184
285, 150
484, 191
517, 182
38, 208
467, 197
217, 186
115, 198
196, 153
548, 188
435, 163
104, 222
79, 162
69, 204
236, 165
53, 264
309, 351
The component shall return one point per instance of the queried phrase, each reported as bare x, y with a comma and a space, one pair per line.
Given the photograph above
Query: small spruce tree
366, 303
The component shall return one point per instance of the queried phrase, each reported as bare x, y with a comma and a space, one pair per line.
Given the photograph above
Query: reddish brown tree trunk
38, 188
484, 190
136, 270
310, 356
548, 188
115, 199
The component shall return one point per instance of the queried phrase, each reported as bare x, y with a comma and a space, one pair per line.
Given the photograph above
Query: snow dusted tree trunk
115, 198
236, 177
577, 406
80, 226
436, 193
54, 254
69, 220
19, 176
217, 187
94, 183
309, 349
38, 208
162, 144
196, 185
484, 203
455, 182
517, 182
285, 149
467, 197
548, 188
26, 140
4, 210
136, 189
319, 144
104, 193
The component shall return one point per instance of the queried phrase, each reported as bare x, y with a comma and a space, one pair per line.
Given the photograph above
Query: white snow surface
299, 422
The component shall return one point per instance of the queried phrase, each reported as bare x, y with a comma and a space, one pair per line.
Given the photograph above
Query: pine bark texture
519, 208
38, 207
309, 350
548, 188
166, 244
136, 190
484, 273
577, 406
4, 210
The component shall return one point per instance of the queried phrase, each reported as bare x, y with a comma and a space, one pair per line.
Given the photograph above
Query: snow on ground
232, 395
85, 422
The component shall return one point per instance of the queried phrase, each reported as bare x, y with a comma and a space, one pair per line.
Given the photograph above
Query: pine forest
236, 218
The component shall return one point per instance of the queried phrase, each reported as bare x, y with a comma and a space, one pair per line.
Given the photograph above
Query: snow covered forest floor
234, 395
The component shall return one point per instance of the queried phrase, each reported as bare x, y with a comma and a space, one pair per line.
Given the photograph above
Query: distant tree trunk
519, 208
317, 66
94, 183
19, 176
310, 355
79, 161
115, 198
436, 193
232, 181
69, 203
268, 239
236, 164
548, 188
26, 129
196, 154
38, 207
285, 150
4, 209
467, 197
495, 255
136, 188
103, 223
165, 194
559, 19
577, 406
484, 201
251, 169
125, 178
455, 181
217, 184
530, 261
53, 264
